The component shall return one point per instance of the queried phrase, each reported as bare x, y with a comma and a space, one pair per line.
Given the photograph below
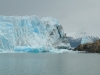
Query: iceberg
31, 34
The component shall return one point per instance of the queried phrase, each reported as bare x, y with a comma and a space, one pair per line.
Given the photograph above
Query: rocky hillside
90, 47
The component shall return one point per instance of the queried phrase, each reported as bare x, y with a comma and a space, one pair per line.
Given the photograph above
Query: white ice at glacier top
30, 34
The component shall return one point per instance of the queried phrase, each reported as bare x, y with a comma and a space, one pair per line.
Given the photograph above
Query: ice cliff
31, 34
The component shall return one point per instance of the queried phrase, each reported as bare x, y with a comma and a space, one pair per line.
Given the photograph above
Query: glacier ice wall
30, 32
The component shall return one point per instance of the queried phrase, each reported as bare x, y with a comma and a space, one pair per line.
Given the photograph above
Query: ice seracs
31, 34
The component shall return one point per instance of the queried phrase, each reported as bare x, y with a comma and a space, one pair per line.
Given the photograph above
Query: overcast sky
72, 14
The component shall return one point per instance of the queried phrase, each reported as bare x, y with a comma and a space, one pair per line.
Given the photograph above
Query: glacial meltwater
49, 64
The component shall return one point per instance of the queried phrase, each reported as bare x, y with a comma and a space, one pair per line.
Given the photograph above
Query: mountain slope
81, 36
90, 47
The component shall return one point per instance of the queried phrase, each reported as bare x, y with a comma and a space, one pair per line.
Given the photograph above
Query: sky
72, 14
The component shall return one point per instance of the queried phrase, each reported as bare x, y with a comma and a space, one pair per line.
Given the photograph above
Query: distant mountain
81, 36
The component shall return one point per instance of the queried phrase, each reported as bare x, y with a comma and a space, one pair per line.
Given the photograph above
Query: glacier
86, 40
31, 34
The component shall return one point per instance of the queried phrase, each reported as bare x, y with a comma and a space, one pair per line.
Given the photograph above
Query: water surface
49, 64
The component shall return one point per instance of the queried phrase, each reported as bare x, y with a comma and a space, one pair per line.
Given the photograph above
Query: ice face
28, 33
7, 38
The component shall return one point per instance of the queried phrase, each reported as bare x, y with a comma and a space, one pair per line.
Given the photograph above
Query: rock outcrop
90, 47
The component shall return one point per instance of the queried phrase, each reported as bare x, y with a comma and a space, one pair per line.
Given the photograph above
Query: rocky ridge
89, 47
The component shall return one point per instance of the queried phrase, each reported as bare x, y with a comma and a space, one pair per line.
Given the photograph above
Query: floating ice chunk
26, 49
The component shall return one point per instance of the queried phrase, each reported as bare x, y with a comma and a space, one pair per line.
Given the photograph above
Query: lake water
49, 64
